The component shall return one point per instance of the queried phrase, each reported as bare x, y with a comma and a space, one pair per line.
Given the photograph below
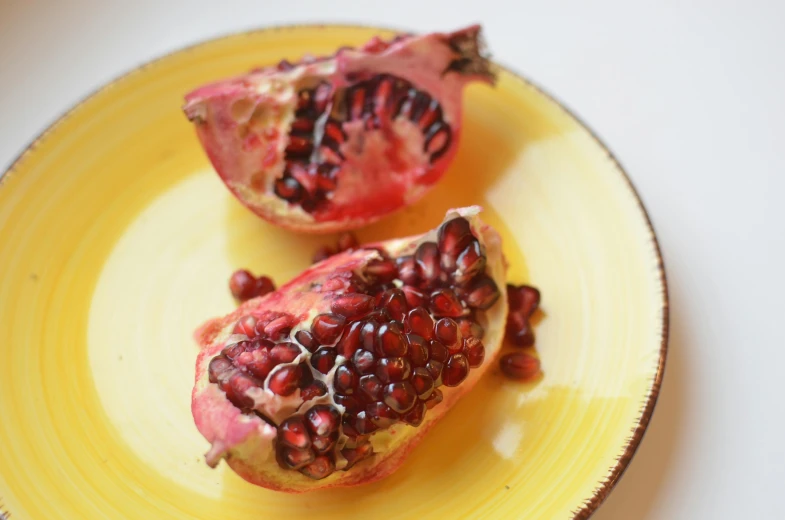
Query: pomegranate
337, 142
334, 378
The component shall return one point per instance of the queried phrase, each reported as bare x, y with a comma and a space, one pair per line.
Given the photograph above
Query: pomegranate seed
426, 258
321, 467
390, 341
382, 415
285, 352
418, 350
285, 380
352, 305
350, 341
364, 361
350, 404
519, 331
371, 386
407, 272
363, 424
296, 459
292, 433
520, 366
347, 241
235, 350
438, 351
368, 334
446, 331
355, 455
456, 370
419, 321
237, 388
345, 380
435, 368
392, 370
416, 415
245, 325
469, 263
322, 419
469, 327
436, 398
323, 444
323, 360
312, 391
348, 424
523, 298
264, 285
242, 285
220, 369
279, 327
454, 235
262, 364
394, 303
384, 270
483, 293
422, 382
400, 396
306, 376
323, 253
414, 297
326, 328
474, 350
307, 340
444, 302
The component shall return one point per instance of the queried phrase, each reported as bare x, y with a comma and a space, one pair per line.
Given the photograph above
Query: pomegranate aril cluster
313, 155
244, 285
523, 301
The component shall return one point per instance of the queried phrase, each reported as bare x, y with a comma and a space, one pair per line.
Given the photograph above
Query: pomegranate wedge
337, 142
335, 377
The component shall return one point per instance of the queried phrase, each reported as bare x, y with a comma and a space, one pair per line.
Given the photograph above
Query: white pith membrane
247, 441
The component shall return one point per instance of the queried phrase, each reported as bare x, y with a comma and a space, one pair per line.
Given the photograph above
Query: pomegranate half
334, 378
337, 142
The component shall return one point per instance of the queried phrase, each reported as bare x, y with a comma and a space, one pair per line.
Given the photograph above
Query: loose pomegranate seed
285, 380
364, 361
285, 352
242, 285
400, 396
456, 370
390, 341
323, 360
469, 263
264, 285
371, 386
483, 293
454, 235
436, 398
520, 366
323, 253
326, 328
320, 468
296, 459
523, 298
345, 380
418, 349
236, 390
363, 424
292, 433
419, 321
352, 305
355, 455
416, 415
519, 331
315, 389
474, 350
324, 444
438, 351
220, 369
322, 420
426, 258
392, 370
382, 415
446, 331
351, 404
307, 340
245, 325
347, 241
444, 302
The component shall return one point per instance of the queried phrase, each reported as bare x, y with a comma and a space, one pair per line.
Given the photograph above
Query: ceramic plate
116, 241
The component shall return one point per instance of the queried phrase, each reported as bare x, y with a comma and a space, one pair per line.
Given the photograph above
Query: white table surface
691, 99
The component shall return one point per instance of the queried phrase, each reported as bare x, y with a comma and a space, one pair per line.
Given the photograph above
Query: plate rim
606, 485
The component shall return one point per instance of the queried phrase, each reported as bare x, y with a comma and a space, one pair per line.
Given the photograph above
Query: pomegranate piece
293, 388
357, 135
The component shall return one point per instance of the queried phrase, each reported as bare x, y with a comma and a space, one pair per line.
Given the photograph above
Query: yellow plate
116, 240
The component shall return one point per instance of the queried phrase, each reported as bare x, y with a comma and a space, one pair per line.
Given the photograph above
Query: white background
691, 99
